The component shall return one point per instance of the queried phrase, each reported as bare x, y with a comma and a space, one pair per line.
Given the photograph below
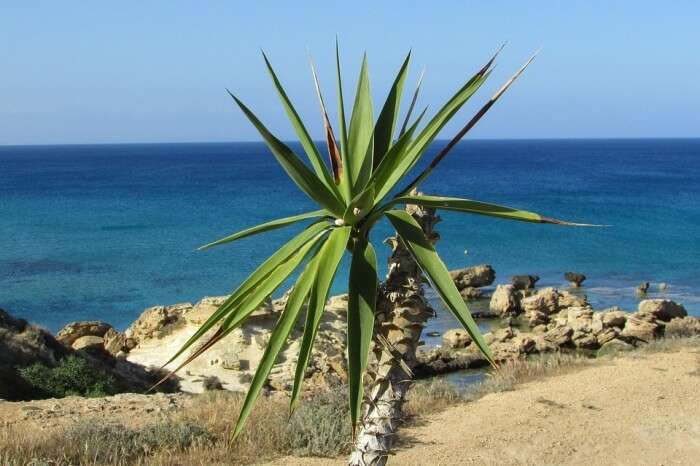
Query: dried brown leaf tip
333, 151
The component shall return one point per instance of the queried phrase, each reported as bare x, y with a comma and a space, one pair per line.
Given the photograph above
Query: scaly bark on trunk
402, 312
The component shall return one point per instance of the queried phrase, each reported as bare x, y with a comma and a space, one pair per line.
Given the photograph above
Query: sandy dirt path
643, 409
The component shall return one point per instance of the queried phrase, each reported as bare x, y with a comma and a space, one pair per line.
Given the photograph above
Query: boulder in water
575, 278
524, 282
643, 288
473, 277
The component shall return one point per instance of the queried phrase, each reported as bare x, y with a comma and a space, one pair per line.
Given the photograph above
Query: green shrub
72, 376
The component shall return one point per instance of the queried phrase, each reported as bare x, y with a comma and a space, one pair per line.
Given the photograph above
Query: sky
156, 71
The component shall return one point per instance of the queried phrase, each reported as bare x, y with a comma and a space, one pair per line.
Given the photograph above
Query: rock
75, 330
161, 331
505, 301
607, 335
584, 340
469, 293
525, 344
158, 321
456, 338
545, 300
117, 343
642, 288
88, 341
500, 335
559, 336
683, 327
613, 318
473, 277
613, 347
524, 282
641, 327
574, 278
566, 299
580, 319
662, 309
536, 318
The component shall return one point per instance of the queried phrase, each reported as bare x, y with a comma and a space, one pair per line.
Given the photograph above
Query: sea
101, 232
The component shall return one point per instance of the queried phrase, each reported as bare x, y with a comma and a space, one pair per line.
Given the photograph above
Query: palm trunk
401, 314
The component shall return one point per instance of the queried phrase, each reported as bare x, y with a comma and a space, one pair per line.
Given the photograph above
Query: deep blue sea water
104, 231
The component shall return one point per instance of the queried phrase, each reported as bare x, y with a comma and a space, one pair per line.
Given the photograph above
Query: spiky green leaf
412, 105
362, 294
392, 160
480, 208
432, 266
252, 300
470, 124
253, 280
295, 168
360, 146
267, 226
345, 182
386, 122
329, 258
279, 336
306, 141
430, 132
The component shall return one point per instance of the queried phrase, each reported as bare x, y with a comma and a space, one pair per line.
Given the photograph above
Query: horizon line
321, 142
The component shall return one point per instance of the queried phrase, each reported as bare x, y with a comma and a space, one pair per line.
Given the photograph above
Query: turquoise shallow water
101, 232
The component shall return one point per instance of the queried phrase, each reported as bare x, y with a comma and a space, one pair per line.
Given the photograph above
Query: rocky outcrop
473, 277
76, 330
662, 309
160, 331
575, 279
556, 320
456, 338
23, 344
505, 301
524, 282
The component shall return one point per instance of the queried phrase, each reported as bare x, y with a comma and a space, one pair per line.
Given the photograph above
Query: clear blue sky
151, 71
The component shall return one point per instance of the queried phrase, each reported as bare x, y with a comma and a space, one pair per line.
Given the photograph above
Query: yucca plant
357, 189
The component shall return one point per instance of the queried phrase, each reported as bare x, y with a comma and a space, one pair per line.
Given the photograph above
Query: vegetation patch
73, 375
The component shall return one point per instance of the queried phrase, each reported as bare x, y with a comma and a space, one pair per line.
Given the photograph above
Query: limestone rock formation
662, 309
505, 301
75, 330
456, 338
473, 277
160, 331
524, 282
575, 278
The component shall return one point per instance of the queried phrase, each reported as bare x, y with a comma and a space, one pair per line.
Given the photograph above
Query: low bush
73, 375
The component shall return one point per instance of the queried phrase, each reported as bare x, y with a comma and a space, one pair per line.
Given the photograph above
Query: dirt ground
643, 409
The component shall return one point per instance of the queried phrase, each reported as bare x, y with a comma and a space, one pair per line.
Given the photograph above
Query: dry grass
434, 395
199, 434
196, 436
